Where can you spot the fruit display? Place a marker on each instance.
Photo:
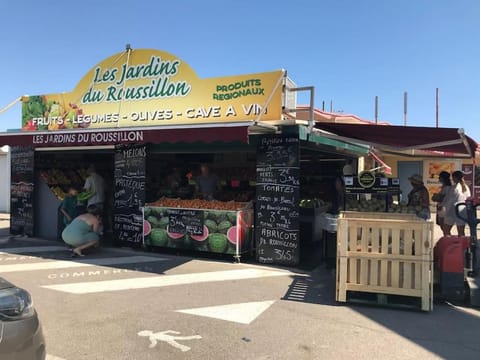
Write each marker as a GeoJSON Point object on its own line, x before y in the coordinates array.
{"type": "Point", "coordinates": [222, 229]}
{"type": "Point", "coordinates": [43, 113]}
{"type": "Point", "coordinates": [376, 205]}
{"type": "Point", "coordinates": [198, 204]}
{"type": "Point", "coordinates": [85, 195]}
{"type": "Point", "coordinates": [59, 180]}
{"type": "Point", "coordinates": [58, 192]}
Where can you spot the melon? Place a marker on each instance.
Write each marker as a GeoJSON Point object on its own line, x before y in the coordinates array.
{"type": "Point", "coordinates": [159, 237]}
{"type": "Point", "coordinates": [232, 217]}
{"type": "Point", "coordinates": [146, 228]}
{"type": "Point", "coordinates": [217, 216]}
{"type": "Point", "coordinates": [147, 211]}
{"type": "Point", "coordinates": [201, 238]}
{"type": "Point", "coordinates": [153, 220]}
{"type": "Point", "coordinates": [163, 222]}
{"type": "Point", "coordinates": [224, 226]}
{"type": "Point", "coordinates": [211, 225]}
{"type": "Point", "coordinates": [217, 242]}
{"type": "Point", "coordinates": [232, 235]}
{"type": "Point", "coordinates": [175, 236]}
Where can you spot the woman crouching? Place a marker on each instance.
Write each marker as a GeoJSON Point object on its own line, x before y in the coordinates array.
{"type": "Point", "coordinates": [82, 232]}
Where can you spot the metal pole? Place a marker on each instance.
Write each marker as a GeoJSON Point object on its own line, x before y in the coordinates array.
{"type": "Point", "coordinates": [323, 105]}
{"type": "Point", "coordinates": [405, 108]}
{"type": "Point", "coordinates": [436, 107]}
{"type": "Point", "coordinates": [376, 109]}
{"type": "Point", "coordinates": [331, 105]}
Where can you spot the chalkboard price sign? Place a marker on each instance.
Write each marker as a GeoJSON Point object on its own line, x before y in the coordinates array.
{"type": "Point", "coordinates": [22, 187]}
{"type": "Point", "coordinates": [185, 221]}
{"type": "Point", "coordinates": [277, 225]}
{"type": "Point", "coordinates": [278, 151]}
{"type": "Point", "coordinates": [129, 197]}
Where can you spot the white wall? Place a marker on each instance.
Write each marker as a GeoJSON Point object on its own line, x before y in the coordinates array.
{"type": "Point", "coordinates": [4, 180]}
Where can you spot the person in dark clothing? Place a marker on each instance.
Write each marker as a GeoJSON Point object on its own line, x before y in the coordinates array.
{"type": "Point", "coordinates": [68, 207]}
{"type": "Point", "coordinates": [418, 197]}
{"type": "Point", "coordinates": [337, 195]}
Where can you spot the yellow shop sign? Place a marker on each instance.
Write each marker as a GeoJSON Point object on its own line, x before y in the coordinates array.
{"type": "Point", "coordinates": [151, 88]}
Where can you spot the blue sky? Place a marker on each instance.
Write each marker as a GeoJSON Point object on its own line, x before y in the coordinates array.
{"type": "Point", "coordinates": [350, 50]}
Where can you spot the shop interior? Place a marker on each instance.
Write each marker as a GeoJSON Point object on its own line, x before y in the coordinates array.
{"type": "Point", "coordinates": [171, 173]}
{"type": "Point", "coordinates": [55, 172]}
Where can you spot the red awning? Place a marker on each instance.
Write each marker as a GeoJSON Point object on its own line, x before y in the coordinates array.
{"type": "Point", "coordinates": [407, 140]}
{"type": "Point", "coordinates": [102, 137]}
{"type": "Point", "coordinates": [383, 165]}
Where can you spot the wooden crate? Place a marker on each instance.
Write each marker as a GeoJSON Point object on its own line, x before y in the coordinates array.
{"type": "Point", "coordinates": [385, 256]}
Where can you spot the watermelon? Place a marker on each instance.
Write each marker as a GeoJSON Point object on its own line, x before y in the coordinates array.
{"type": "Point", "coordinates": [83, 196]}
{"type": "Point", "coordinates": [163, 222]}
{"type": "Point", "coordinates": [159, 237]}
{"type": "Point", "coordinates": [211, 225]}
{"type": "Point", "coordinates": [224, 226]}
{"type": "Point", "coordinates": [153, 220]}
{"type": "Point", "coordinates": [201, 238]}
{"type": "Point", "coordinates": [232, 217]}
{"type": "Point", "coordinates": [175, 236]}
{"type": "Point", "coordinates": [147, 211]}
{"type": "Point", "coordinates": [217, 216]}
{"type": "Point", "coordinates": [232, 235]}
{"type": "Point", "coordinates": [217, 242]}
{"type": "Point", "coordinates": [147, 228]}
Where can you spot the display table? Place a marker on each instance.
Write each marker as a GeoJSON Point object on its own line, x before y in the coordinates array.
{"type": "Point", "coordinates": [206, 230]}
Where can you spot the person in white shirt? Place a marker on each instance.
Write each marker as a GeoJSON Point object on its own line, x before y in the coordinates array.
{"type": "Point", "coordinates": [459, 193]}
{"type": "Point", "coordinates": [95, 184]}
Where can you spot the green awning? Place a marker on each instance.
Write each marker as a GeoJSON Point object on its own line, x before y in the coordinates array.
{"type": "Point", "coordinates": [317, 138]}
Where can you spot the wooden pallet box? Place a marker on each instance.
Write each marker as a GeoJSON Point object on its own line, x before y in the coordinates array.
{"type": "Point", "coordinates": [388, 255]}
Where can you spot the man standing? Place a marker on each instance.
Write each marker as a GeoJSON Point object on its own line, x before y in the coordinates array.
{"type": "Point", "coordinates": [96, 185]}
{"type": "Point", "coordinates": [207, 184]}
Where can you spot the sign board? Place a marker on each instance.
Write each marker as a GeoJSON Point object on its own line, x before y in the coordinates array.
{"type": "Point", "coordinates": [277, 200]}
{"type": "Point", "coordinates": [146, 87]}
{"type": "Point", "coordinates": [185, 221]}
{"type": "Point", "coordinates": [129, 197]}
{"type": "Point", "coordinates": [431, 170]}
{"type": "Point", "coordinates": [124, 136]}
{"type": "Point", "coordinates": [371, 185]}
{"type": "Point", "coordinates": [22, 187]}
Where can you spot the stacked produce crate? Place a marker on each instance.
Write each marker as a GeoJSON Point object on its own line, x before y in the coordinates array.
{"type": "Point", "coordinates": [385, 254]}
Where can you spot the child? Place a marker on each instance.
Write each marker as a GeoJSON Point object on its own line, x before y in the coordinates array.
{"type": "Point", "coordinates": [68, 207]}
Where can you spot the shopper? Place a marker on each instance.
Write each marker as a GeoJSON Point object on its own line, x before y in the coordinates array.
{"type": "Point", "coordinates": [96, 185]}
{"type": "Point", "coordinates": [82, 232]}
{"type": "Point", "coordinates": [440, 198]}
{"type": "Point", "coordinates": [337, 193]}
{"type": "Point", "coordinates": [459, 193]}
{"type": "Point", "coordinates": [69, 205]}
{"type": "Point", "coordinates": [418, 197]}
{"type": "Point", "coordinates": [207, 183]}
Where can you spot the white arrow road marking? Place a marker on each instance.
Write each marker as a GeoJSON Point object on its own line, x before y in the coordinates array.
{"type": "Point", "coordinates": [163, 280]}
{"type": "Point", "coordinates": [243, 313]}
{"type": "Point", "coordinates": [169, 339]}
{"type": "Point", "coordinates": [32, 249]}
{"type": "Point", "coordinates": [49, 265]}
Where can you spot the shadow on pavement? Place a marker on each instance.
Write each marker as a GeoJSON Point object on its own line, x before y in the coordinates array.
{"type": "Point", "coordinates": [449, 331]}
